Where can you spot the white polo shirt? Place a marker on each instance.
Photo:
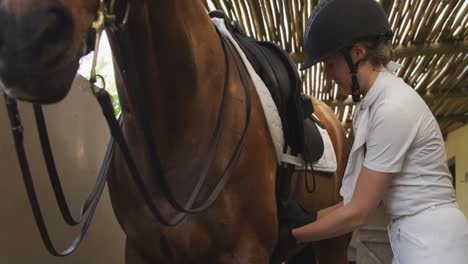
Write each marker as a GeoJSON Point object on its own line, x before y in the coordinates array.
{"type": "Point", "coordinates": [395, 132]}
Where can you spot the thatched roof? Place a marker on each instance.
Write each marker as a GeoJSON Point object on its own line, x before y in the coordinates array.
{"type": "Point", "coordinates": [431, 40]}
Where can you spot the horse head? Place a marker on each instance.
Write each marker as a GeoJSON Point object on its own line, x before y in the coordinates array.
{"type": "Point", "coordinates": [41, 43]}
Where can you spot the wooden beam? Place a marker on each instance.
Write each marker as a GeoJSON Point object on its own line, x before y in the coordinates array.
{"type": "Point", "coordinates": [297, 56]}
{"type": "Point", "coordinates": [453, 118]}
{"type": "Point", "coordinates": [412, 50]}
{"type": "Point", "coordinates": [432, 49]}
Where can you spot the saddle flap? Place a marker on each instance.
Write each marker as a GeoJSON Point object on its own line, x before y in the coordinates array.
{"type": "Point", "coordinates": [313, 142]}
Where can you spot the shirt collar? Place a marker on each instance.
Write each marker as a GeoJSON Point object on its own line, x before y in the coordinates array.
{"type": "Point", "coordinates": [374, 91]}
{"type": "Point", "coordinates": [390, 69]}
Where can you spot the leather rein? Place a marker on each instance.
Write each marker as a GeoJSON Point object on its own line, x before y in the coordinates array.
{"type": "Point", "coordinates": [107, 20]}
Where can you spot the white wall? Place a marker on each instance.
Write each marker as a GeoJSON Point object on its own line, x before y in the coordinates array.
{"type": "Point", "coordinates": [78, 137]}
{"type": "Point", "coordinates": [457, 147]}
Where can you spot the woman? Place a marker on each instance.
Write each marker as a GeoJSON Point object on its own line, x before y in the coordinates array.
{"type": "Point", "coordinates": [398, 153]}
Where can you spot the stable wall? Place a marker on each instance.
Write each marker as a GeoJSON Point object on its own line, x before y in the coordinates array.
{"type": "Point", "coordinates": [457, 148]}
{"type": "Point", "coordinates": [78, 137]}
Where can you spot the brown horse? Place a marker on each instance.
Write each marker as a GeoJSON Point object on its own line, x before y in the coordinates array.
{"type": "Point", "coordinates": [182, 68]}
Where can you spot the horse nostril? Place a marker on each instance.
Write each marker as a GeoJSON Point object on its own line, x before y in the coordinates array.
{"type": "Point", "coordinates": [37, 35]}
{"type": "Point", "coordinates": [1, 43]}
{"type": "Point", "coordinates": [56, 24]}
{"type": "Point", "coordinates": [4, 23]}
{"type": "Point", "coordinates": [49, 25]}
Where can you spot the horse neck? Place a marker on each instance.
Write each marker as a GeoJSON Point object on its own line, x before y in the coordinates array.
{"type": "Point", "coordinates": [180, 65]}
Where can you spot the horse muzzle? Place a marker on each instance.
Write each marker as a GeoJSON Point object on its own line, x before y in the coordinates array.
{"type": "Point", "coordinates": [33, 47]}
{"type": "Point", "coordinates": [41, 89]}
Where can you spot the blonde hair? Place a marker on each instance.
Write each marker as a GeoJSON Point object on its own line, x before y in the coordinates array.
{"type": "Point", "coordinates": [379, 52]}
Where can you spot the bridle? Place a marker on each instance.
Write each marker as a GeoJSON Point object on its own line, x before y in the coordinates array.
{"type": "Point", "coordinates": [107, 20]}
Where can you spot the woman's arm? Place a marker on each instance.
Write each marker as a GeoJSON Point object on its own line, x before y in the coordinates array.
{"type": "Point", "coordinates": [328, 210]}
{"type": "Point", "coordinates": [367, 195]}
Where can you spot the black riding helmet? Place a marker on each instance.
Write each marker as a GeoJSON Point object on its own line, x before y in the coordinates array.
{"type": "Point", "coordinates": [335, 25]}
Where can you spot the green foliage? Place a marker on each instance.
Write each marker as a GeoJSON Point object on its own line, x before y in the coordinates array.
{"type": "Point", "coordinates": [116, 104]}
{"type": "Point", "coordinates": [102, 67]}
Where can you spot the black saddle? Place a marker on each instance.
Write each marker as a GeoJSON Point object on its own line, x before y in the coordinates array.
{"type": "Point", "coordinates": [280, 75]}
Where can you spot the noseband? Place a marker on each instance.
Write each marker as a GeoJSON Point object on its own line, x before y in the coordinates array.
{"type": "Point", "coordinates": [106, 19]}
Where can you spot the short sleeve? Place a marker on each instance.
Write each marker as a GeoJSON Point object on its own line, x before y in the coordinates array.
{"type": "Point", "coordinates": [390, 136]}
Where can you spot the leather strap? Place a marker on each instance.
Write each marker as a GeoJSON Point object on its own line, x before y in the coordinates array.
{"type": "Point", "coordinates": [53, 175]}
{"type": "Point", "coordinates": [91, 202]}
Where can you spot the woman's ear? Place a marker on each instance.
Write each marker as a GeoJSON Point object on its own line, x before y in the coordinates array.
{"type": "Point", "coordinates": [358, 51]}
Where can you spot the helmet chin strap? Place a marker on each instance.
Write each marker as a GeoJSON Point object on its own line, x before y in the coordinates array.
{"type": "Point", "coordinates": [353, 67]}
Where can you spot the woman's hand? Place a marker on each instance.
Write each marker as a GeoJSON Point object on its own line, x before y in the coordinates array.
{"type": "Point", "coordinates": [367, 195]}
{"type": "Point", "coordinates": [294, 215]}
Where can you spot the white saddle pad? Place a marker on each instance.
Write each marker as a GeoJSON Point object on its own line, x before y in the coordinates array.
{"type": "Point", "coordinates": [327, 163]}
